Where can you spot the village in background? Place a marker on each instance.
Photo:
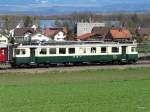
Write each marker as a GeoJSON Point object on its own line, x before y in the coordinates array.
{"type": "Point", "coordinates": [77, 27]}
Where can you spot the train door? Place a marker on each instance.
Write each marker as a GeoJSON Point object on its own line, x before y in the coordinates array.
{"type": "Point", "coordinates": [32, 56]}
{"type": "Point", "coordinates": [124, 55]}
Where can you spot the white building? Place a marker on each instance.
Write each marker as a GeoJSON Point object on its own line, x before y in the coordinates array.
{"type": "Point", "coordinates": [59, 36]}
{"type": "Point", "coordinates": [3, 39]}
{"type": "Point", "coordinates": [39, 37]}
{"type": "Point", "coordinates": [27, 36]}
{"type": "Point", "coordinates": [83, 28]}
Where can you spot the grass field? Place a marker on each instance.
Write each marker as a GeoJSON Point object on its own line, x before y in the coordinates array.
{"type": "Point", "coordinates": [123, 90]}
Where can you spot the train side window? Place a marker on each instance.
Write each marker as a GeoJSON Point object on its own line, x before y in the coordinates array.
{"type": "Point", "coordinates": [17, 51]}
{"type": "Point", "coordinates": [23, 52]}
{"type": "Point", "coordinates": [71, 50]}
{"type": "Point", "coordinates": [103, 49]}
{"type": "Point", "coordinates": [62, 50]}
{"type": "Point", "coordinates": [115, 49]}
{"type": "Point", "coordinates": [133, 49]}
{"type": "Point", "coordinates": [82, 50]}
{"type": "Point", "coordinates": [93, 50]}
{"type": "Point", "coordinates": [43, 51]}
{"type": "Point", "coordinates": [52, 51]}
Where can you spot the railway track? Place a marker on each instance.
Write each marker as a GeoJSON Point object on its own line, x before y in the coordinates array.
{"type": "Point", "coordinates": [7, 68]}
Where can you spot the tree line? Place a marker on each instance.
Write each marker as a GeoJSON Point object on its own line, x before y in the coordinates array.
{"type": "Point", "coordinates": [130, 21]}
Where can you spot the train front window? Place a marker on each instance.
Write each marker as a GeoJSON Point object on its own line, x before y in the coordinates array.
{"type": "Point", "coordinates": [17, 51]}
{"type": "Point", "coordinates": [71, 50]}
{"type": "Point", "coordinates": [115, 49]}
{"type": "Point", "coordinates": [133, 49]}
{"type": "Point", "coordinates": [23, 52]}
{"type": "Point", "coordinates": [52, 51]}
{"type": "Point", "coordinates": [43, 51]}
{"type": "Point", "coordinates": [62, 50]}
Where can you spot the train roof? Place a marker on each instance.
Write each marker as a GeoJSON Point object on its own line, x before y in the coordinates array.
{"type": "Point", "coordinates": [74, 43]}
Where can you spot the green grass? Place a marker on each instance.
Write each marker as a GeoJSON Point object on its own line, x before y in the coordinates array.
{"type": "Point", "coordinates": [123, 90]}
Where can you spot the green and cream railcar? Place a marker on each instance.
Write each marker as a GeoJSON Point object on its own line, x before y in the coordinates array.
{"type": "Point", "coordinates": [28, 55]}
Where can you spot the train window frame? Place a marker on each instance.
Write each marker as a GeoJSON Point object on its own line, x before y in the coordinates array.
{"type": "Point", "coordinates": [17, 51]}
{"type": "Point", "coordinates": [44, 52]}
{"type": "Point", "coordinates": [62, 50]}
{"type": "Point", "coordinates": [51, 52]}
{"type": "Point", "coordinates": [115, 49]}
{"type": "Point", "coordinates": [22, 51]}
{"type": "Point", "coordinates": [103, 51]}
{"type": "Point", "coordinates": [71, 51]}
{"type": "Point", "coordinates": [133, 49]}
{"type": "Point", "coordinates": [93, 50]}
{"type": "Point", "coordinates": [82, 50]}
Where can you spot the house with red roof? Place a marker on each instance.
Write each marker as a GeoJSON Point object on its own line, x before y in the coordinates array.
{"type": "Point", "coordinates": [106, 34]}
{"type": "Point", "coordinates": [119, 34]}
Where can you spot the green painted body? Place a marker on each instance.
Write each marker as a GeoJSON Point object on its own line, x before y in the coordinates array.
{"type": "Point", "coordinates": [17, 61]}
